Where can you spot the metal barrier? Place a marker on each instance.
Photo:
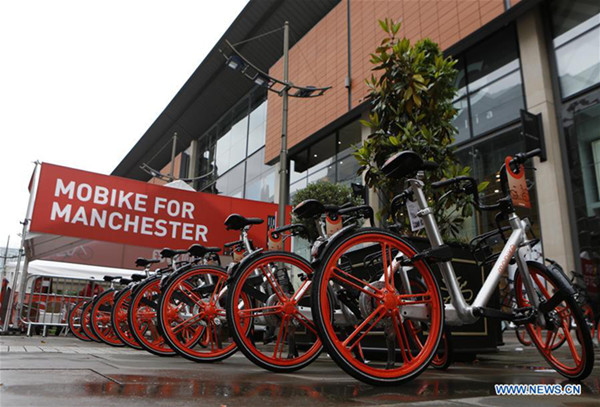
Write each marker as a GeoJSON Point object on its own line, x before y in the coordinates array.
{"type": "Point", "coordinates": [48, 300]}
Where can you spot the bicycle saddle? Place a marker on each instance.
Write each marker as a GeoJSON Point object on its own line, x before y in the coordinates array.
{"type": "Point", "coordinates": [167, 253]}
{"type": "Point", "coordinates": [238, 222]}
{"type": "Point", "coordinates": [309, 208]}
{"type": "Point", "coordinates": [137, 277]}
{"type": "Point", "coordinates": [405, 163]}
{"type": "Point", "coordinates": [197, 250]}
{"type": "Point", "coordinates": [110, 278]}
{"type": "Point", "coordinates": [142, 262]}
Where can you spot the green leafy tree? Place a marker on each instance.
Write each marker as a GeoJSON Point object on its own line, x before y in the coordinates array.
{"type": "Point", "coordinates": [412, 109]}
{"type": "Point", "coordinates": [326, 193]}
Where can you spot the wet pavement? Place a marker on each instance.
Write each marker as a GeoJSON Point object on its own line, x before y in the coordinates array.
{"type": "Point", "coordinates": [59, 371]}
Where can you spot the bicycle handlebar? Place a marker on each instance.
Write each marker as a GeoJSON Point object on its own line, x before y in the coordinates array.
{"type": "Point", "coordinates": [294, 227]}
{"type": "Point", "coordinates": [364, 211]}
{"type": "Point", "coordinates": [471, 187]}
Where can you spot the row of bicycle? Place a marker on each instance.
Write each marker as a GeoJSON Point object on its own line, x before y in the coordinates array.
{"type": "Point", "coordinates": [367, 296]}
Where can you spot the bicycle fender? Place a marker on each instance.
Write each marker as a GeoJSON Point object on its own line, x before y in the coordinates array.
{"type": "Point", "coordinates": [243, 263]}
{"type": "Point", "coordinates": [324, 248]}
{"type": "Point", "coordinates": [558, 275]}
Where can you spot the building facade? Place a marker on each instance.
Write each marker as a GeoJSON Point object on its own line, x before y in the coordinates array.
{"type": "Point", "coordinates": [533, 55]}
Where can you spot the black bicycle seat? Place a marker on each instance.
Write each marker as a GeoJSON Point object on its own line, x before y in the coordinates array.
{"type": "Point", "coordinates": [137, 277]}
{"type": "Point", "coordinates": [309, 208]}
{"type": "Point", "coordinates": [197, 250]}
{"type": "Point", "coordinates": [142, 262]}
{"type": "Point", "coordinates": [238, 222]}
{"type": "Point", "coordinates": [167, 253]}
{"type": "Point", "coordinates": [405, 163]}
{"type": "Point", "coordinates": [110, 278]}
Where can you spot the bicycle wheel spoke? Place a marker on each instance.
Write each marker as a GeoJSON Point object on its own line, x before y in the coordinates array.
{"type": "Point", "coordinates": [274, 284]}
{"type": "Point", "coordinates": [550, 338]}
{"type": "Point", "coordinates": [570, 342]}
{"type": "Point", "coordinates": [356, 283]}
{"type": "Point", "coordinates": [186, 323]}
{"type": "Point", "coordinates": [397, 322]}
{"type": "Point", "coordinates": [541, 286]}
{"type": "Point", "coordinates": [302, 289]}
{"type": "Point", "coordinates": [186, 289]}
{"type": "Point", "coordinates": [260, 311]}
{"type": "Point", "coordinates": [308, 324]}
{"type": "Point", "coordinates": [407, 299]}
{"type": "Point", "coordinates": [387, 268]}
{"type": "Point", "coordinates": [413, 332]}
{"type": "Point", "coordinates": [215, 295]}
{"type": "Point", "coordinates": [279, 337]}
{"type": "Point", "coordinates": [363, 325]}
{"type": "Point", "coordinates": [284, 337]}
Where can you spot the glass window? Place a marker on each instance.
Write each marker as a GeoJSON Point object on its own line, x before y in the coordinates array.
{"type": "Point", "coordinates": [347, 169]}
{"type": "Point", "coordinates": [496, 104]}
{"type": "Point", "coordinates": [576, 31]}
{"type": "Point", "coordinates": [583, 137]}
{"type": "Point", "coordinates": [321, 153]}
{"type": "Point", "coordinates": [262, 188]}
{"type": "Point", "coordinates": [232, 183]}
{"type": "Point", "coordinates": [461, 77]}
{"type": "Point", "coordinates": [485, 159]}
{"type": "Point", "coordinates": [231, 147]}
{"type": "Point", "coordinates": [296, 186]}
{"type": "Point", "coordinates": [298, 167]}
{"type": "Point", "coordinates": [461, 121]}
{"type": "Point", "coordinates": [578, 63]}
{"type": "Point", "coordinates": [256, 165]}
{"type": "Point", "coordinates": [491, 55]}
{"type": "Point", "coordinates": [490, 91]}
{"type": "Point", "coordinates": [348, 137]}
{"type": "Point", "coordinates": [324, 174]}
{"type": "Point", "coordinates": [258, 128]}
{"type": "Point", "coordinates": [570, 14]}
{"type": "Point", "coordinates": [206, 157]}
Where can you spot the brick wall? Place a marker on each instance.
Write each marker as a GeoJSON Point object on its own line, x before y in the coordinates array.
{"type": "Point", "coordinates": [320, 58]}
{"type": "Point", "coordinates": [167, 169]}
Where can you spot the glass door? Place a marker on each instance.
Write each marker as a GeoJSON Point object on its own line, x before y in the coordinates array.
{"type": "Point", "coordinates": [581, 121]}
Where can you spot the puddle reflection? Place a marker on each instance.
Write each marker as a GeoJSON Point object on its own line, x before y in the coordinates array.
{"type": "Point", "coordinates": [418, 390]}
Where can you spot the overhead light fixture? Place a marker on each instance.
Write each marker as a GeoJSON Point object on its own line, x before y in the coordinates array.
{"type": "Point", "coordinates": [305, 91]}
{"type": "Point", "coordinates": [261, 80]}
{"type": "Point", "coordinates": [235, 62]}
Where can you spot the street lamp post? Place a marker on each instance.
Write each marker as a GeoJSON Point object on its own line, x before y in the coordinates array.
{"type": "Point", "coordinates": [284, 174]}
{"type": "Point", "coordinates": [236, 61]}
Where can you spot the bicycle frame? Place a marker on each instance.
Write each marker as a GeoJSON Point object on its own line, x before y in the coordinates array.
{"type": "Point", "coordinates": [459, 312]}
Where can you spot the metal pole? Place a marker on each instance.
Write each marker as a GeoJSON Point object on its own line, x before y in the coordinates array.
{"type": "Point", "coordinates": [283, 155]}
{"type": "Point", "coordinates": [5, 260]}
{"type": "Point", "coordinates": [173, 152]}
{"type": "Point", "coordinates": [16, 286]}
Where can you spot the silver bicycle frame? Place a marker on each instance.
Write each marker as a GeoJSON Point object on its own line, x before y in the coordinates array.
{"type": "Point", "coordinates": [459, 312]}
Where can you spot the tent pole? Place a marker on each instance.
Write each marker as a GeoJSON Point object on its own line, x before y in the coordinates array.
{"type": "Point", "coordinates": [22, 281]}
{"type": "Point", "coordinates": [5, 259]}
{"type": "Point", "coordinates": [8, 315]}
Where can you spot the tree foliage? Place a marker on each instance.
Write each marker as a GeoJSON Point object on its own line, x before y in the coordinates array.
{"type": "Point", "coordinates": [412, 109]}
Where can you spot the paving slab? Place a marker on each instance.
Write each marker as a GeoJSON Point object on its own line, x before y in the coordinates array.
{"type": "Point", "coordinates": [67, 372]}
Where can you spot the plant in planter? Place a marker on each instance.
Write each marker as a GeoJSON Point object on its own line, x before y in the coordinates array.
{"type": "Point", "coordinates": [326, 193]}
{"type": "Point", "coordinates": [412, 110]}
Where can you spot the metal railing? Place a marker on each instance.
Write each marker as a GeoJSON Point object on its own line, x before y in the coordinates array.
{"type": "Point", "coordinates": [49, 299]}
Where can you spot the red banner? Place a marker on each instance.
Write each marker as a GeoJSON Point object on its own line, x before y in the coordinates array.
{"type": "Point", "coordinates": [92, 206]}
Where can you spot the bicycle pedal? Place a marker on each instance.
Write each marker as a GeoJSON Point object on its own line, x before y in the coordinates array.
{"type": "Point", "coordinates": [524, 315]}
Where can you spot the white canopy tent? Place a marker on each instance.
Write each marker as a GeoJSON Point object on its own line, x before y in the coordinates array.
{"type": "Point", "coordinates": [68, 270]}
